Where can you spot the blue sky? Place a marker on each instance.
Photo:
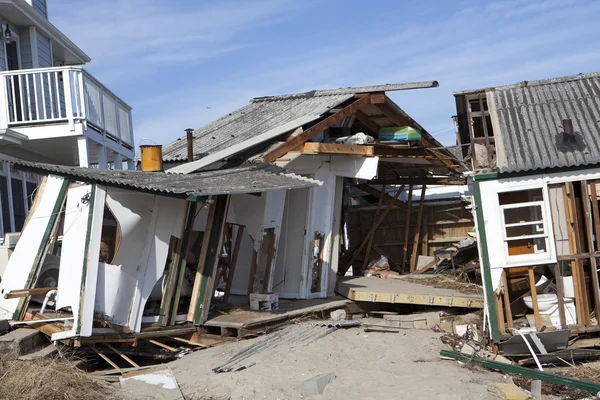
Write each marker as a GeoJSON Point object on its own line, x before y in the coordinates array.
{"type": "Point", "coordinates": [184, 63]}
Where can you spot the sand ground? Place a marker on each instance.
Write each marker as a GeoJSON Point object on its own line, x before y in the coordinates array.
{"type": "Point", "coordinates": [403, 365]}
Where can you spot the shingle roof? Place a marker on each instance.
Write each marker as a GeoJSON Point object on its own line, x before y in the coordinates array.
{"type": "Point", "coordinates": [530, 119]}
{"type": "Point", "coordinates": [248, 178]}
{"type": "Point", "coordinates": [268, 117]}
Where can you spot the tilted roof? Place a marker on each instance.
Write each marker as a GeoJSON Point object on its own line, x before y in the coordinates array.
{"type": "Point", "coordinates": [268, 117]}
{"type": "Point", "coordinates": [530, 118]}
{"type": "Point", "coordinates": [248, 178]}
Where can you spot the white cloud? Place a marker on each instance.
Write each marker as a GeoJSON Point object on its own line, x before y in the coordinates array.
{"type": "Point", "coordinates": [142, 46]}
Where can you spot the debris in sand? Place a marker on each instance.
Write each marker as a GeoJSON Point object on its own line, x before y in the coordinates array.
{"type": "Point", "coordinates": [316, 385]}
{"type": "Point", "coordinates": [156, 383]}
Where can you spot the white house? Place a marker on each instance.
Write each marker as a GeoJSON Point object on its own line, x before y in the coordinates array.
{"type": "Point", "coordinates": [51, 109]}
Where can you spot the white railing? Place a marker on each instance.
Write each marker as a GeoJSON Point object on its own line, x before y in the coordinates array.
{"type": "Point", "coordinates": [63, 94]}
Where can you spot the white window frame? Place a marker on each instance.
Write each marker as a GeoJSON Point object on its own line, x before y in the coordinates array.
{"type": "Point", "coordinates": [544, 222]}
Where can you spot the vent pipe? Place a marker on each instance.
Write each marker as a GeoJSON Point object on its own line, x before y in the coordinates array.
{"type": "Point", "coordinates": [151, 158]}
{"type": "Point", "coordinates": [190, 144]}
{"type": "Point", "coordinates": [568, 130]}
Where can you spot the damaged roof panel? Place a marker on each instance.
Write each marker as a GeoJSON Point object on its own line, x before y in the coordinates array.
{"type": "Point", "coordinates": [264, 114]}
{"type": "Point", "coordinates": [248, 178]}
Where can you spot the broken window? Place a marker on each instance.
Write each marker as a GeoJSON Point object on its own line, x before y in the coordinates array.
{"type": "Point", "coordinates": [524, 222]}
{"type": "Point", "coordinates": [111, 236]}
{"type": "Point", "coordinates": [483, 150]}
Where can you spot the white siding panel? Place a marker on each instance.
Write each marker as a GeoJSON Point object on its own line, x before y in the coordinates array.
{"type": "Point", "coordinates": [44, 53]}
{"type": "Point", "coordinates": [40, 6]}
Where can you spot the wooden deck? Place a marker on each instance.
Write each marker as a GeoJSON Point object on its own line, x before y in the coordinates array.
{"type": "Point", "coordinates": [244, 318]}
{"type": "Point", "coordinates": [400, 291]}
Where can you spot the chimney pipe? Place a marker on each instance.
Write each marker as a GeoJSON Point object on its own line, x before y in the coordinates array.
{"type": "Point", "coordinates": [568, 127]}
{"type": "Point", "coordinates": [190, 144]}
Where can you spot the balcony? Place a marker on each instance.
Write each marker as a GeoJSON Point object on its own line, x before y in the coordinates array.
{"type": "Point", "coordinates": [59, 102]}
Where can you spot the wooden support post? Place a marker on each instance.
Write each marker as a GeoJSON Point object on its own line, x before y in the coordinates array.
{"type": "Point", "coordinates": [343, 268]}
{"type": "Point", "coordinates": [415, 256]}
{"type": "Point", "coordinates": [509, 318]}
{"type": "Point", "coordinates": [425, 245]}
{"type": "Point", "coordinates": [270, 254]}
{"type": "Point", "coordinates": [253, 268]}
{"type": "Point", "coordinates": [406, 228]}
{"type": "Point", "coordinates": [167, 298]}
{"type": "Point", "coordinates": [560, 295]}
{"type": "Point", "coordinates": [208, 260]}
{"type": "Point", "coordinates": [534, 298]}
{"type": "Point", "coordinates": [500, 313]}
{"type": "Point", "coordinates": [370, 243]}
{"type": "Point", "coordinates": [234, 258]}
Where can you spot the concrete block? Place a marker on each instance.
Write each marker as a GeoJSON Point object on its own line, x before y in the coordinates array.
{"type": "Point", "coordinates": [20, 342]}
{"type": "Point", "coordinates": [510, 391]}
{"type": "Point", "coordinates": [40, 353]}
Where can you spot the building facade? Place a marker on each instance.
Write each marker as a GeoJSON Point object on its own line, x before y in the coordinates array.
{"type": "Point", "coordinates": [51, 109]}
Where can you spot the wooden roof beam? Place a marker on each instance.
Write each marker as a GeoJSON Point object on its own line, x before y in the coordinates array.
{"type": "Point", "coordinates": [364, 119]}
{"type": "Point", "coordinates": [359, 102]}
{"type": "Point", "coordinates": [420, 181]}
{"type": "Point", "coordinates": [362, 150]}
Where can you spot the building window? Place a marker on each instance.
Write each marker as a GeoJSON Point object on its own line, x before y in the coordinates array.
{"type": "Point", "coordinates": [4, 205]}
{"type": "Point", "coordinates": [524, 221]}
{"type": "Point", "coordinates": [19, 206]}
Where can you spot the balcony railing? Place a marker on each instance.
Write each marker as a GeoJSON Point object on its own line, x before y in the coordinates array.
{"type": "Point", "coordinates": [63, 95]}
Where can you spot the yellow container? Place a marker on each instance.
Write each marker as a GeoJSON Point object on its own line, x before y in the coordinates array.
{"type": "Point", "coordinates": [151, 158]}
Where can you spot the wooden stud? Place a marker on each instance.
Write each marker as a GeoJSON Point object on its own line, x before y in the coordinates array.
{"type": "Point", "coordinates": [253, 268]}
{"type": "Point", "coordinates": [414, 258]}
{"type": "Point", "coordinates": [588, 226]}
{"type": "Point", "coordinates": [560, 295]}
{"type": "Point", "coordinates": [344, 267]}
{"type": "Point", "coordinates": [370, 242]}
{"type": "Point", "coordinates": [292, 142]}
{"type": "Point", "coordinates": [167, 298]}
{"type": "Point", "coordinates": [123, 356]}
{"type": "Point", "coordinates": [270, 254]}
{"type": "Point", "coordinates": [536, 311]}
{"type": "Point", "coordinates": [15, 294]}
{"type": "Point", "coordinates": [234, 258]}
{"type": "Point", "coordinates": [500, 313]}
{"type": "Point", "coordinates": [507, 308]}
{"type": "Point", "coordinates": [569, 215]}
{"type": "Point", "coordinates": [406, 228]}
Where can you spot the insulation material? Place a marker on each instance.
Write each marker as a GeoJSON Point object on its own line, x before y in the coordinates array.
{"type": "Point", "coordinates": [40, 221]}
{"type": "Point", "coordinates": [79, 257]}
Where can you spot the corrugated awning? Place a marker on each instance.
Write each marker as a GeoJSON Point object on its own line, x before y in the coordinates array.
{"type": "Point", "coordinates": [247, 178]}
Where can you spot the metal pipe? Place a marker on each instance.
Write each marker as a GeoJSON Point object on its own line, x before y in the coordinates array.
{"type": "Point", "coordinates": [46, 299]}
{"type": "Point", "coordinates": [568, 127]}
{"type": "Point", "coordinates": [190, 144]}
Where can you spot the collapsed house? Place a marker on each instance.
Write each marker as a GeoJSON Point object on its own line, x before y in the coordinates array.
{"type": "Point", "coordinates": [534, 148]}
{"type": "Point", "coordinates": [255, 202]}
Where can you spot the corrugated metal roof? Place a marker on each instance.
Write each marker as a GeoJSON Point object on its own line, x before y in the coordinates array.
{"type": "Point", "coordinates": [248, 178]}
{"type": "Point", "coordinates": [530, 116]}
{"type": "Point", "coordinates": [266, 114]}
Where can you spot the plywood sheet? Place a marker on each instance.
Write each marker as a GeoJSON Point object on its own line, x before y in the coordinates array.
{"type": "Point", "coordinates": [400, 291]}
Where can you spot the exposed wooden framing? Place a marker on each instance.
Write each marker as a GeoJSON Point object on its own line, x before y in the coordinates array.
{"type": "Point", "coordinates": [167, 299]}
{"type": "Point", "coordinates": [123, 356]}
{"type": "Point", "coordinates": [485, 130]}
{"type": "Point", "coordinates": [160, 344]}
{"type": "Point", "coordinates": [559, 294]}
{"type": "Point", "coordinates": [14, 294]}
{"type": "Point", "coordinates": [54, 246]}
{"type": "Point", "coordinates": [366, 121]}
{"type": "Point", "coordinates": [573, 250]}
{"type": "Point", "coordinates": [414, 257]}
{"type": "Point", "coordinates": [406, 228]}
{"type": "Point", "coordinates": [207, 265]}
{"type": "Point", "coordinates": [253, 268]}
{"type": "Point", "coordinates": [234, 258]}
{"type": "Point", "coordinates": [270, 236]}
{"type": "Point", "coordinates": [590, 242]}
{"type": "Point", "coordinates": [343, 268]}
{"type": "Point", "coordinates": [366, 150]}
{"type": "Point", "coordinates": [500, 313]}
{"type": "Point", "coordinates": [425, 244]}
{"type": "Point", "coordinates": [509, 317]}
{"type": "Point", "coordinates": [382, 194]}
{"type": "Point", "coordinates": [108, 360]}
{"type": "Point", "coordinates": [536, 311]}
{"type": "Point", "coordinates": [374, 192]}
{"type": "Point", "coordinates": [579, 280]}
{"type": "Point", "coordinates": [292, 142]}
{"type": "Point", "coordinates": [319, 241]}
{"type": "Point", "coordinates": [420, 181]}
{"type": "Point", "coordinates": [182, 261]}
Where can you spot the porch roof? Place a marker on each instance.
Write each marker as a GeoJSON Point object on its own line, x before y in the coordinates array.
{"type": "Point", "coordinates": [247, 178]}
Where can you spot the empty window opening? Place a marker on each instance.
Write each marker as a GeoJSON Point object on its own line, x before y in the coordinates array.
{"type": "Point", "coordinates": [111, 236]}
